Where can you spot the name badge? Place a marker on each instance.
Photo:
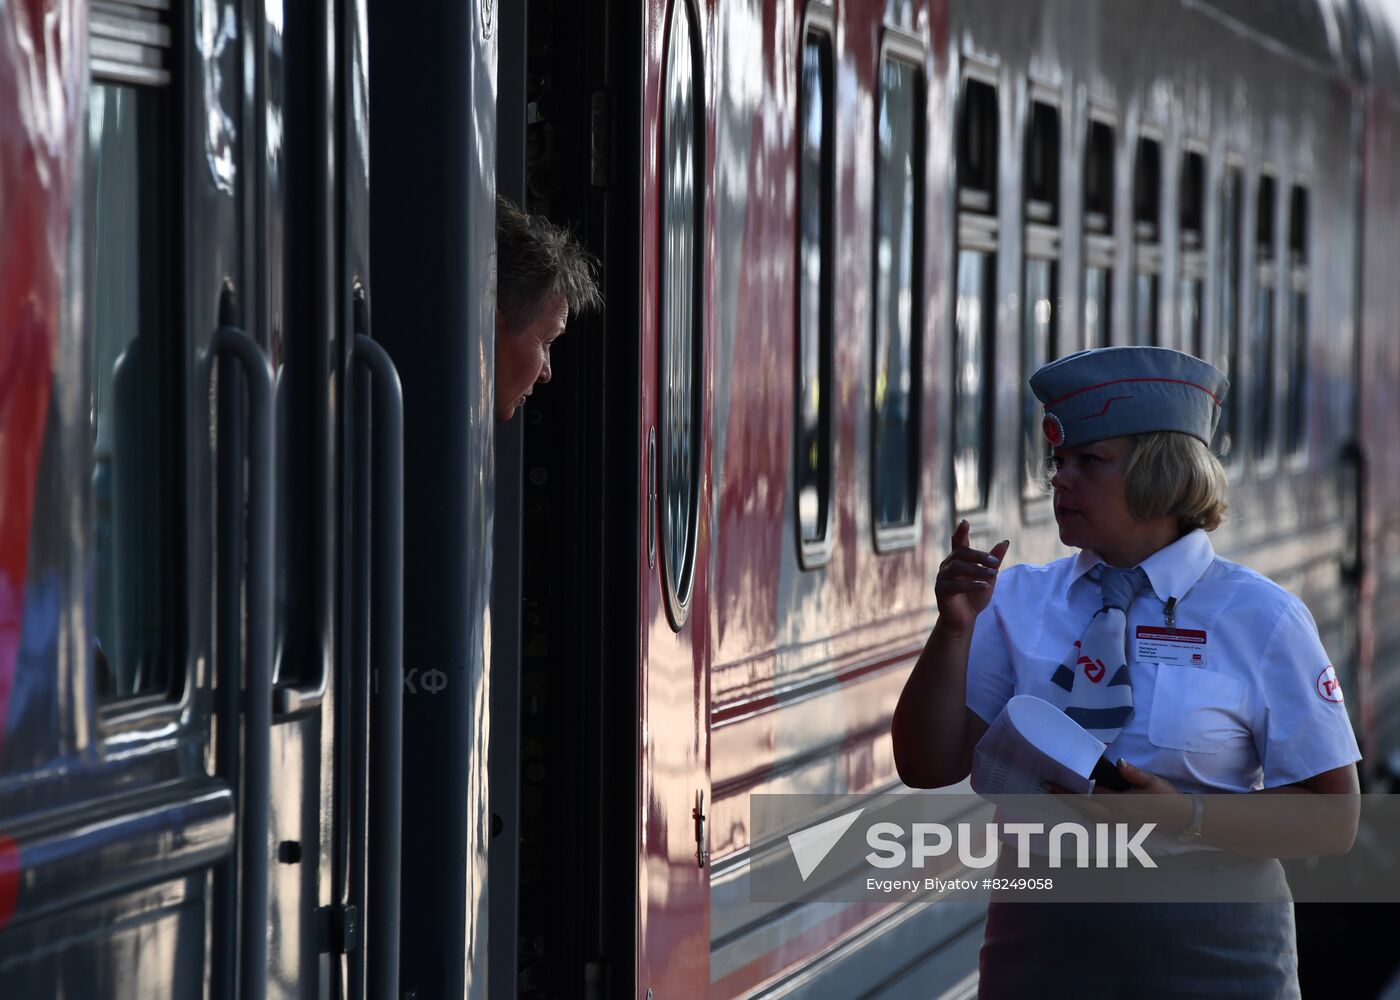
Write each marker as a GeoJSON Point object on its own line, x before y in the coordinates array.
{"type": "Point", "coordinates": [1182, 647]}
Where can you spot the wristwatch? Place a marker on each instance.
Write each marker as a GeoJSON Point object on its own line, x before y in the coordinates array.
{"type": "Point", "coordinates": [1191, 832]}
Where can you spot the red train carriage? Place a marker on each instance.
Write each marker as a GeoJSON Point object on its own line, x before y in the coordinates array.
{"type": "Point", "coordinates": [899, 212]}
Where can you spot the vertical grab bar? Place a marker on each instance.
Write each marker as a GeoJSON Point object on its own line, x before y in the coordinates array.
{"type": "Point", "coordinates": [256, 696]}
{"type": "Point", "coordinates": [384, 756]}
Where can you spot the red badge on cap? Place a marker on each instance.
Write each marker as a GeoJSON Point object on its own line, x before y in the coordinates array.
{"type": "Point", "coordinates": [1054, 430]}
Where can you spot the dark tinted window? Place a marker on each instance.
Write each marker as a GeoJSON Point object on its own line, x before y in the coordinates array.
{"type": "Point", "coordinates": [1261, 348]}
{"type": "Point", "coordinates": [1147, 249]}
{"type": "Point", "coordinates": [898, 293]}
{"type": "Point", "coordinates": [680, 354]}
{"type": "Point", "coordinates": [1147, 187]}
{"type": "Point", "coordinates": [1098, 236]}
{"type": "Point", "coordinates": [135, 377]}
{"type": "Point", "coordinates": [1040, 316]}
{"type": "Point", "coordinates": [1043, 164]}
{"type": "Point", "coordinates": [975, 306]}
{"type": "Point", "coordinates": [1226, 356]}
{"type": "Point", "coordinates": [814, 384]}
{"type": "Point", "coordinates": [977, 147]}
{"type": "Point", "coordinates": [1189, 303]}
{"type": "Point", "coordinates": [1098, 178]}
{"type": "Point", "coordinates": [1038, 346]}
{"type": "Point", "coordinates": [1192, 202]}
{"type": "Point", "coordinates": [1294, 355]}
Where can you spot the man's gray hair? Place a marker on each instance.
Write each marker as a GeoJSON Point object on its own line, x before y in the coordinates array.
{"type": "Point", "coordinates": [536, 259]}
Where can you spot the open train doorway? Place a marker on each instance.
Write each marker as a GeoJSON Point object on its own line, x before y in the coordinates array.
{"type": "Point", "coordinates": [564, 687]}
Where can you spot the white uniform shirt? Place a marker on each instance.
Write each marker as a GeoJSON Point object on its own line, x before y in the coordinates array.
{"type": "Point", "coordinates": [1260, 712]}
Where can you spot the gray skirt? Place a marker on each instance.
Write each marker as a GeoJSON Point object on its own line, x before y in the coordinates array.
{"type": "Point", "coordinates": [1142, 950]}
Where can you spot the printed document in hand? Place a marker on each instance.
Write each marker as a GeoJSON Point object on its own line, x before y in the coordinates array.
{"type": "Point", "coordinates": [1030, 742]}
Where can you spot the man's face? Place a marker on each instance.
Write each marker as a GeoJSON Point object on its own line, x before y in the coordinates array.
{"type": "Point", "coordinates": [522, 354]}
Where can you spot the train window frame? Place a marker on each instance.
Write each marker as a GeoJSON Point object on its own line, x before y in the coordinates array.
{"type": "Point", "coordinates": [1099, 225]}
{"type": "Point", "coordinates": [977, 233]}
{"type": "Point", "coordinates": [814, 552]}
{"type": "Point", "coordinates": [1191, 246]}
{"type": "Point", "coordinates": [1147, 235]}
{"type": "Point", "coordinates": [678, 582]}
{"type": "Point", "coordinates": [899, 45]}
{"type": "Point", "coordinates": [1298, 272]}
{"type": "Point", "coordinates": [979, 195]}
{"type": "Point", "coordinates": [1263, 452]}
{"type": "Point", "coordinates": [131, 50]}
{"type": "Point", "coordinates": [1231, 281]}
{"type": "Point", "coordinates": [1041, 244]}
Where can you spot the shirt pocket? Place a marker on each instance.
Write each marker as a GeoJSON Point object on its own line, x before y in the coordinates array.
{"type": "Point", "coordinates": [1194, 709]}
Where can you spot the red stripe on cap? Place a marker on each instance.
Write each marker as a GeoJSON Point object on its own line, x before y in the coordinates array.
{"type": "Point", "coordinates": [1119, 381]}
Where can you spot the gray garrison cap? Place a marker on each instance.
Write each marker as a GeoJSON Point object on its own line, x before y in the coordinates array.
{"type": "Point", "coordinates": [1115, 391]}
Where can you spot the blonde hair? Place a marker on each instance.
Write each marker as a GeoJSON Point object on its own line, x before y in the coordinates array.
{"type": "Point", "coordinates": [1172, 473]}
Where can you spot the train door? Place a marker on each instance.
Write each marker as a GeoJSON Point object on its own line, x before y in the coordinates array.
{"type": "Point", "coordinates": [269, 259]}
{"type": "Point", "coordinates": [335, 743]}
{"type": "Point", "coordinates": [565, 731]}
{"type": "Point", "coordinates": [228, 307]}
{"type": "Point", "coordinates": [611, 752]}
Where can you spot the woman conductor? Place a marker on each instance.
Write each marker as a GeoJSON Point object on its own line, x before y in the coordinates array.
{"type": "Point", "coordinates": [1251, 708]}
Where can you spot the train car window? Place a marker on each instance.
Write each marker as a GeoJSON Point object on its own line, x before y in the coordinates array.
{"type": "Point", "coordinates": [975, 307]}
{"type": "Point", "coordinates": [1226, 355]}
{"type": "Point", "coordinates": [1294, 363]}
{"type": "Point", "coordinates": [977, 148]}
{"type": "Point", "coordinates": [1147, 247]}
{"type": "Point", "coordinates": [1262, 372]}
{"type": "Point", "coordinates": [681, 356]}
{"type": "Point", "coordinates": [1040, 320]}
{"type": "Point", "coordinates": [136, 359]}
{"type": "Point", "coordinates": [898, 297]}
{"type": "Point", "coordinates": [1098, 235]}
{"type": "Point", "coordinates": [1193, 265]}
{"type": "Point", "coordinates": [1043, 164]}
{"type": "Point", "coordinates": [814, 368]}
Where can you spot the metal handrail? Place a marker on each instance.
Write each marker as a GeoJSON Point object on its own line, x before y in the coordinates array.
{"type": "Point", "coordinates": [254, 694]}
{"type": "Point", "coordinates": [384, 754]}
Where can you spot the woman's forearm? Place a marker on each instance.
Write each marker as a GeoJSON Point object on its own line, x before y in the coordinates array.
{"type": "Point", "coordinates": [929, 729]}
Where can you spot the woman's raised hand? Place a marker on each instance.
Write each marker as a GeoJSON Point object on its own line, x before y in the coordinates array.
{"type": "Point", "coordinates": [966, 580]}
